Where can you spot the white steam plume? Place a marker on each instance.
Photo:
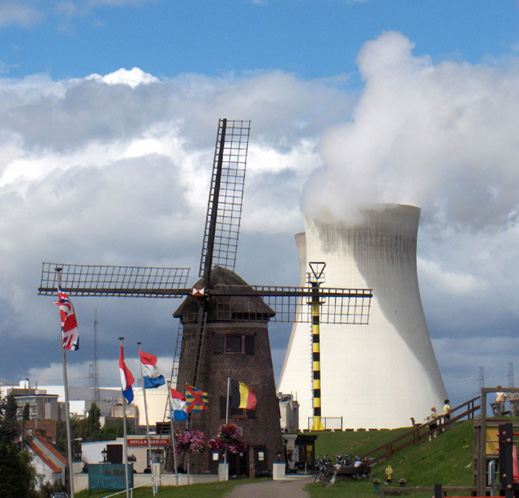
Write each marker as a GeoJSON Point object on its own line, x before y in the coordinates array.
{"type": "Point", "coordinates": [442, 136]}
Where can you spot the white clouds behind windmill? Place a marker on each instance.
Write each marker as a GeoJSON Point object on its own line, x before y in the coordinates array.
{"type": "Point", "coordinates": [118, 174]}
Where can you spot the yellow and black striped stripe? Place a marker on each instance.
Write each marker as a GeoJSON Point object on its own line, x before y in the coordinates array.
{"type": "Point", "coordinates": [316, 359]}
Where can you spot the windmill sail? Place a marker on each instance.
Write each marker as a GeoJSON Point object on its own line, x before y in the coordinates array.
{"type": "Point", "coordinates": [222, 225]}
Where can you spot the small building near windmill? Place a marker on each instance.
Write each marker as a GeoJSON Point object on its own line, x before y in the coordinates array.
{"type": "Point", "coordinates": [48, 462]}
{"type": "Point", "coordinates": [234, 344]}
{"type": "Point", "coordinates": [378, 375]}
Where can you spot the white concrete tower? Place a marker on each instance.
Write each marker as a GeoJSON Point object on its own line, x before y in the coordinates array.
{"type": "Point", "coordinates": [377, 375]}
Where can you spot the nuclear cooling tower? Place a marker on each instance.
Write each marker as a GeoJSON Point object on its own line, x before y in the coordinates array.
{"type": "Point", "coordinates": [381, 374]}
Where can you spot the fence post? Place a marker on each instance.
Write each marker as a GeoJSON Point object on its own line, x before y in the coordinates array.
{"type": "Point", "coordinates": [438, 491]}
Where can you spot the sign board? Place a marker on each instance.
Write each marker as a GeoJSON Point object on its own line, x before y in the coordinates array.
{"type": "Point", "coordinates": [144, 442]}
{"type": "Point", "coordinates": [109, 476]}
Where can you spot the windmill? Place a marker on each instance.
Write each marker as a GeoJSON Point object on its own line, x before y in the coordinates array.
{"type": "Point", "coordinates": [224, 320]}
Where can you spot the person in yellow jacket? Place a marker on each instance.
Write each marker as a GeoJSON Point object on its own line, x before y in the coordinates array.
{"type": "Point", "coordinates": [446, 414]}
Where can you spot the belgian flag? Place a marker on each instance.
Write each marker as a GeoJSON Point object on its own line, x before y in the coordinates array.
{"type": "Point", "coordinates": [242, 396]}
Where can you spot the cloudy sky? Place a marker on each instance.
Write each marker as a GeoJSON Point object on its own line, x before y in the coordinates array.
{"type": "Point", "coordinates": [108, 115]}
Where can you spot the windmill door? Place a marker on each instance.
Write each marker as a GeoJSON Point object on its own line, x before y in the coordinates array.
{"type": "Point", "coordinates": [261, 467]}
{"type": "Point", "coordinates": [238, 465]}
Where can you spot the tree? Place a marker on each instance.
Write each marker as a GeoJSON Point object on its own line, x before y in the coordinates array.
{"type": "Point", "coordinates": [26, 412]}
{"type": "Point", "coordinates": [9, 430]}
{"type": "Point", "coordinates": [79, 428]}
{"type": "Point", "coordinates": [17, 476]}
{"type": "Point", "coordinates": [93, 421]}
{"type": "Point", "coordinates": [26, 416]}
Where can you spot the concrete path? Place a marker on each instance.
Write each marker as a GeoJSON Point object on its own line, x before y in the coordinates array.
{"type": "Point", "coordinates": [292, 488]}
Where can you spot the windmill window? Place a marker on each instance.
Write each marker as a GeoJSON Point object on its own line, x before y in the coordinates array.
{"type": "Point", "coordinates": [233, 343]}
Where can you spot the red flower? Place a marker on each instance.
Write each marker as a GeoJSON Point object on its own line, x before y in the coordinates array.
{"type": "Point", "coordinates": [228, 439]}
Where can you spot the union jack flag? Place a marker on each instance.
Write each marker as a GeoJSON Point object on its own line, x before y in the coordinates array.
{"type": "Point", "coordinates": [69, 329]}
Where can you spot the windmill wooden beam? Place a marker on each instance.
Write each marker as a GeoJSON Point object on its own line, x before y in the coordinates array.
{"type": "Point", "coordinates": [266, 291]}
{"type": "Point", "coordinates": [339, 305]}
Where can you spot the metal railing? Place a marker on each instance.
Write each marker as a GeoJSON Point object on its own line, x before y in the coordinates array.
{"type": "Point", "coordinates": [419, 432]}
{"type": "Point", "coordinates": [329, 423]}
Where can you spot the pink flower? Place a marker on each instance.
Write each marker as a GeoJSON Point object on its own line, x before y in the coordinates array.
{"type": "Point", "coordinates": [190, 442]}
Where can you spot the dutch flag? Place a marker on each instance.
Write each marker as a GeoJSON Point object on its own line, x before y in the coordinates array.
{"type": "Point", "coordinates": [150, 372]}
{"type": "Point", "coordinates": [127, 379]}
{"type": "Point", "coordinates": [179, 405]}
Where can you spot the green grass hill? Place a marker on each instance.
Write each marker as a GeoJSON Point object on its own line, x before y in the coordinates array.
{"type": "Point", "coordinates": [447, 460]}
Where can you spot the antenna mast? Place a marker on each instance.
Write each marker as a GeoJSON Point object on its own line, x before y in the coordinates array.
{"type": "Point", "coordinates": [95, 373]}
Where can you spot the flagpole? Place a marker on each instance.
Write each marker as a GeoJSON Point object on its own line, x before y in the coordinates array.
{"type": "Point", "coordinates": [227, 414]}
{"type": "Point", "coordinates": [227, 407]}
{"type": "Point", "coordinates": [172, 430]}
{"type": "Point", "coordinates": [58, 270]}
{"type": "Point", "coordinates": [125, 441]}
{"type": "Point", "coordinates": [187, 456]}
{"type": "Point", "coordinates": [154, 486]}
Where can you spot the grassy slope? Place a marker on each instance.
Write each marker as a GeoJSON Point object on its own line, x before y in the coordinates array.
{"type": "Point", "coordinates": [447, 460]}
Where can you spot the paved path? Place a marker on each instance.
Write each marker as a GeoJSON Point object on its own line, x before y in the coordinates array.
{"type": "Point", "coordinates": [292, 488]}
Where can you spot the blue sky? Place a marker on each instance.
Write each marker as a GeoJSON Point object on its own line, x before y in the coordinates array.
{"type": "Point", "coordinates": [311, 38]}
{"type": "Point", "coordinates": [108, 114]}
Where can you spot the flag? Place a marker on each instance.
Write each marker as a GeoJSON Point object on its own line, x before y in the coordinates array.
{"type": "Point", "coordinates": [69, 330]}
{"type": "Point", "coordinates": [151, 374]}
{"type": "Point", "coordinates": [242, 396]}
{"type": "Point", "coordinates": [196, 399]}
{"type": "Point", "coordinates": [127, 379]}
{"type": "Point", "coordinates": [179, 405]}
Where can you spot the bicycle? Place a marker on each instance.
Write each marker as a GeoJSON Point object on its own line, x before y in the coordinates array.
{"type": "Point", "coordinates": [326, 472]}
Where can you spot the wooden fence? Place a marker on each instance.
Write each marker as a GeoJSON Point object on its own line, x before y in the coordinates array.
{"type": "Point", "coordinates": [466, 490]}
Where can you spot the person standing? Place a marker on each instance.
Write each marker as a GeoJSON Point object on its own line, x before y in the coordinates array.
{"type": "Point", "coordinates": [500, 402]}
{"type": "Point", "coordinates": [446, 414]}
{"type": "Point", "coordinates": [433, 423]}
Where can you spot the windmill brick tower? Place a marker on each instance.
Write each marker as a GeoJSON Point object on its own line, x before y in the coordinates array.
{"type": "Point", "coordinates": [235, 344]}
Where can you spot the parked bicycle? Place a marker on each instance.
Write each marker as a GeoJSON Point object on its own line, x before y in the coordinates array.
{"type": "Point", "coordinates": [352, 466]}
{"type": "Point", "coordinates": [326, 472]}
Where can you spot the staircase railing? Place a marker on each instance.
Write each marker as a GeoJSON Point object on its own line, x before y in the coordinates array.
{"type": "Point", "coordinates": [419, 432]}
